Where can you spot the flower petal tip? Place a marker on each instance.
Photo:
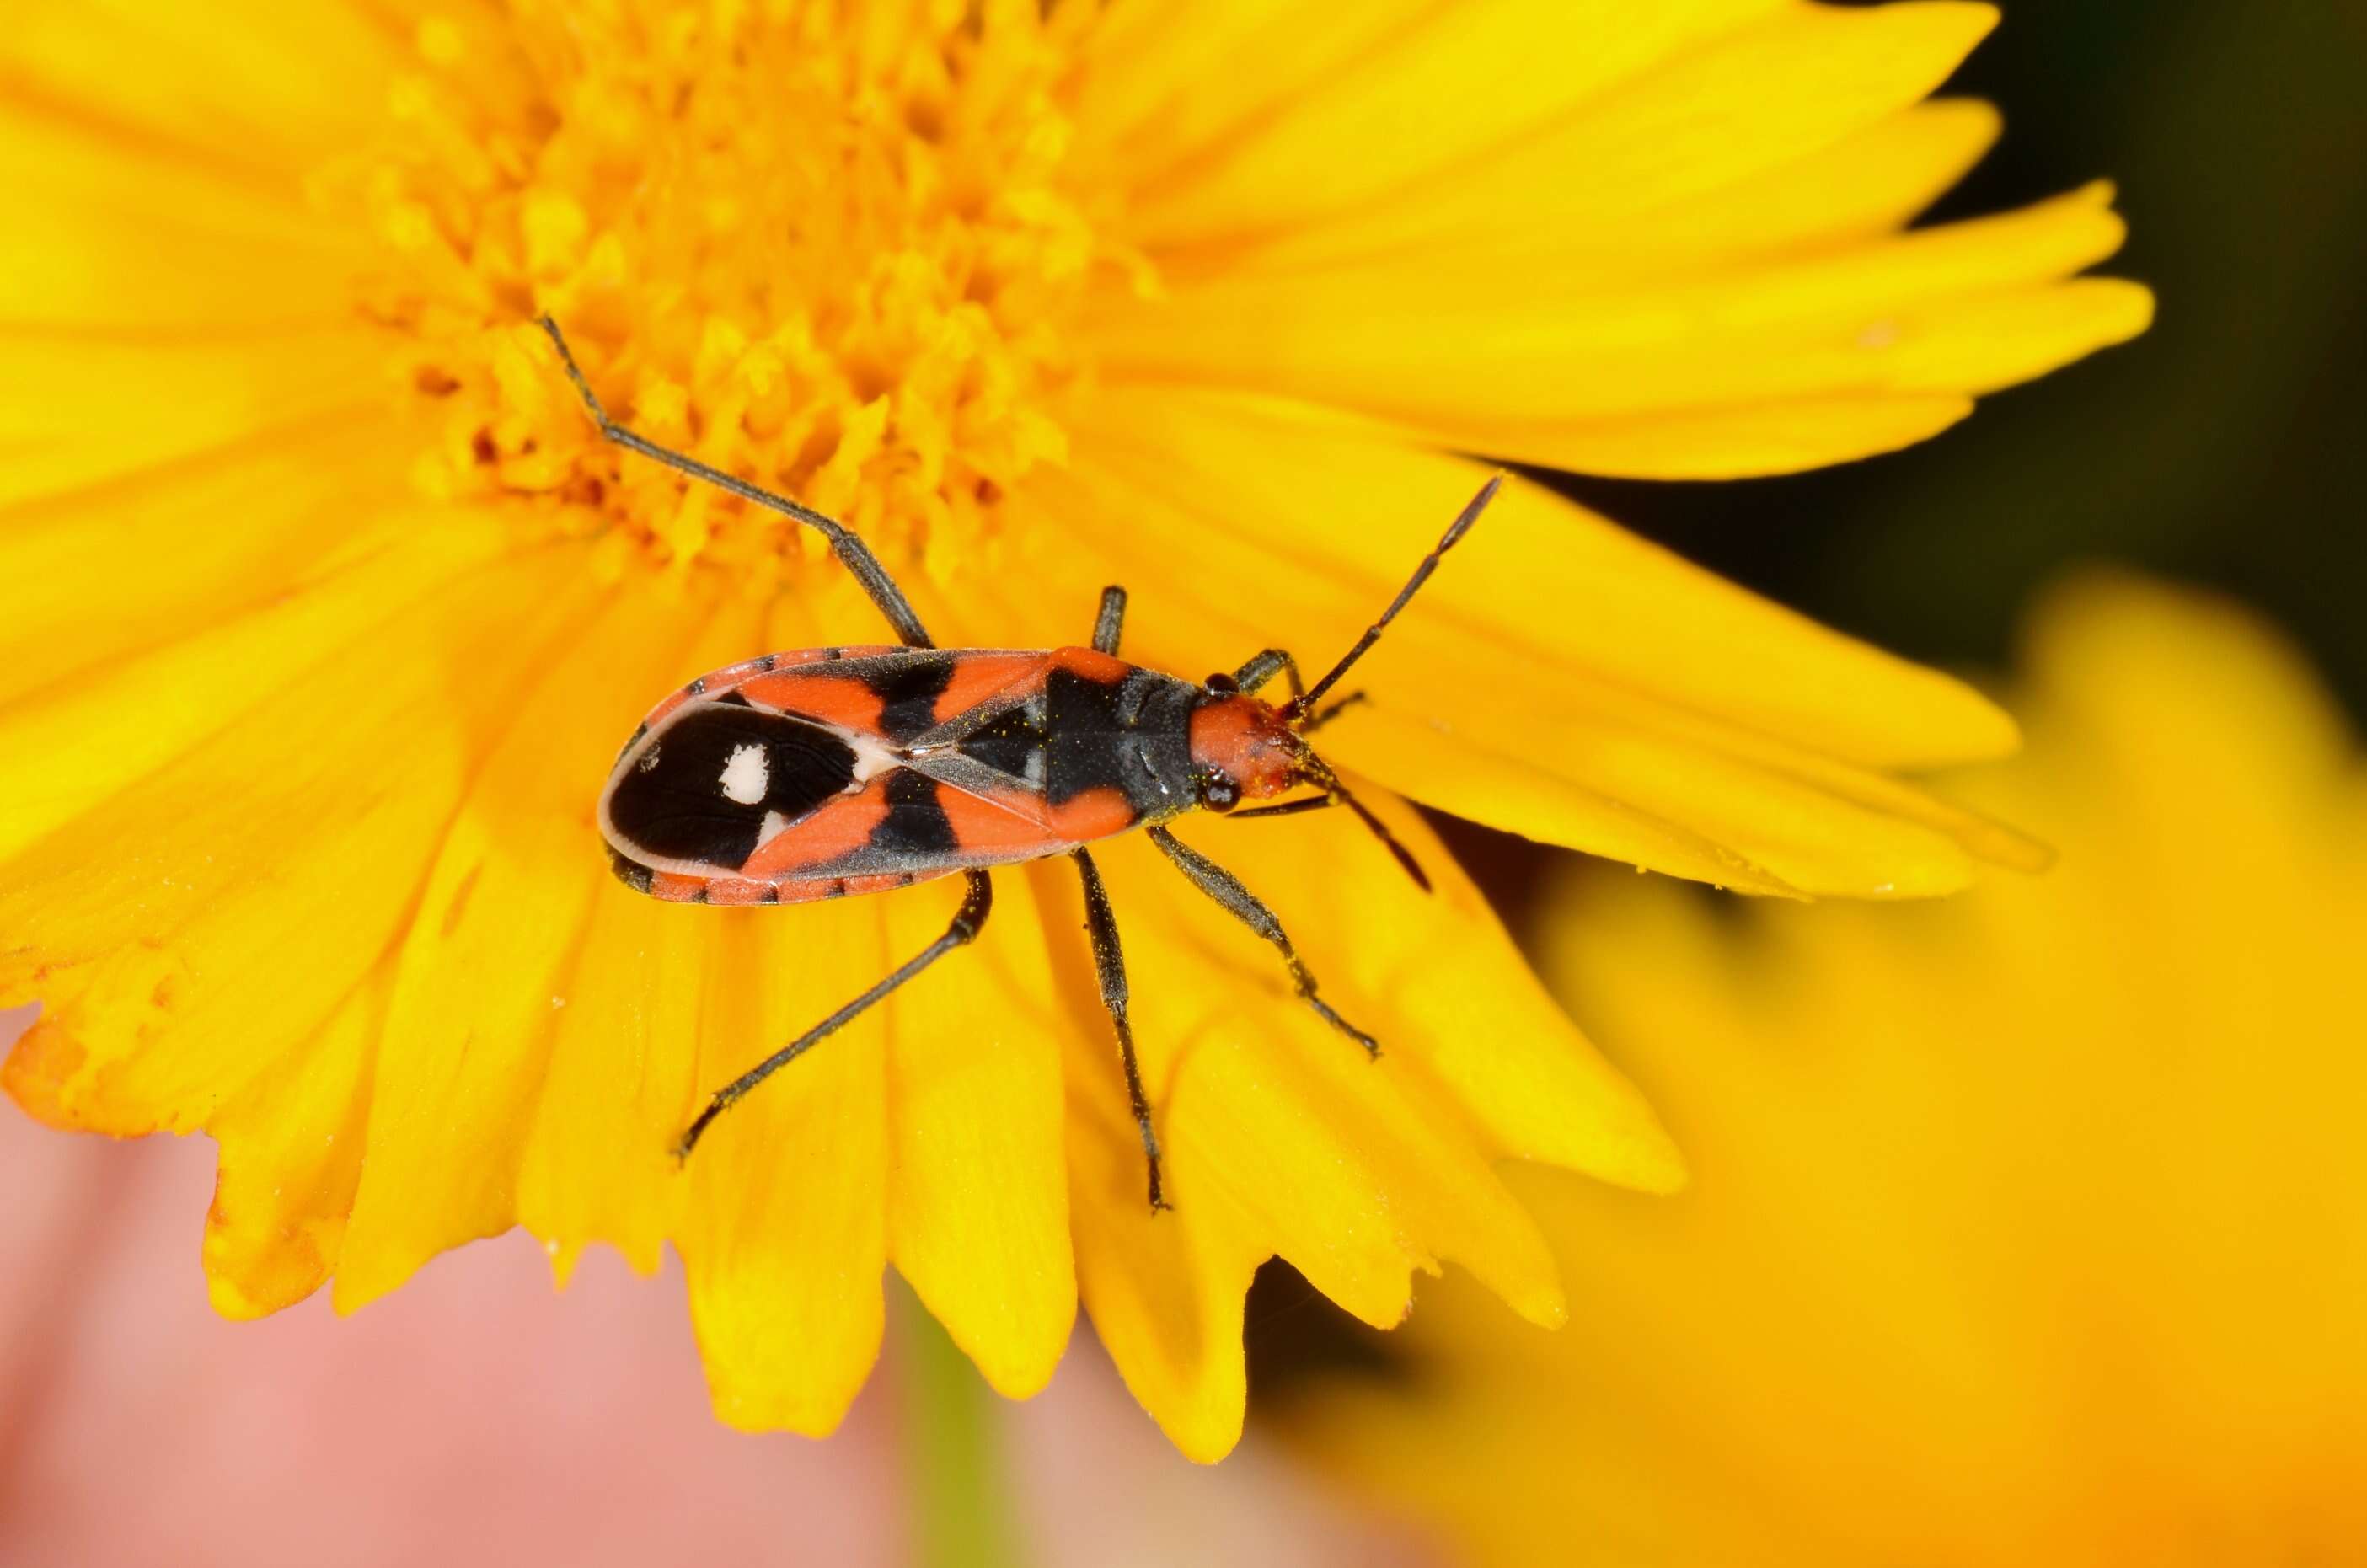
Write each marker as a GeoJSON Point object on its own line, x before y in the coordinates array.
{"type": "Point", "coordinates": [1547, 1308]}
{"type": "Point", "coordinates": [2013, 850]}
{"type": "Point", "coordinates": [1016, 1364]}
{"type": "Point", "coordinates": [1655, 1166]}
{"type": "Point", "coordinates": [44, 1059]}
{"type": "Point", "coordinates": [1975, 18]}
{"type": "Point", "coordinates": [244, 1283]}
{"type": "Point", "coordinates": [2131, 306]}
{"type": "Point", "coordinates": [1204, 1443]}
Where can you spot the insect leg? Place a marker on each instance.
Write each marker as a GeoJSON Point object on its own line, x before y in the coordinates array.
{"type": "Point", "coordinates": [1285, 808]}
{"type": "Point", "coordinates": [1111, 621]}
{"type": "Point", "coordinates": [1264, 667]}
{"type": "Point", "coordinates": [852, 551]}
{"type": "Point", "coordinates": [1226, 889]}
{"type": "Point", "coordinates": [1101, 925]}
{"type": "Point", "coordinates": [967, 919]}
{"type": "Point", "coordinates": [1330, 711]}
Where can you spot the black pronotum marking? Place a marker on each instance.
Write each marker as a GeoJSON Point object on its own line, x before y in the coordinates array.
{"type": "Point", "coordinates": [674, 808]}
{"type": "Point", "coordinates": [908, 689]}
{"type": "Point", "coordinates": [1133, 736]}
{"type": "Point", "coordinates": [915, 824]}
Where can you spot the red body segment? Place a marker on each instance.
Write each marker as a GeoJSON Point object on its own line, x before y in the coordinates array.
{"type": "Point", "coordinates": [1249, 742]}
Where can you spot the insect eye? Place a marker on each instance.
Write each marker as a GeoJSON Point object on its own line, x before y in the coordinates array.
{"type": "Point", "coordinates": [1219, 792]}
{"type": "Point", "coordinates": [1221, 685]}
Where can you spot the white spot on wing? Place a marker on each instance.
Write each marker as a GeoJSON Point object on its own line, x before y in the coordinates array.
{"type": "Point", "coordinates": [772, 828]}
{"type": "Point", "coordinates": [745, 774]}
{"type": "Point", "coordinates": [872, 758]}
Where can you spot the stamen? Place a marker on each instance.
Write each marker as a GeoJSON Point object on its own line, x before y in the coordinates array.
{"type": "Point", "coordinates": [844, 266]}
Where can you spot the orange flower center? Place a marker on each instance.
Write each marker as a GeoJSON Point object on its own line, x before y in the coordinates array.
{"type": "Point", "coordinates": [838, 249]}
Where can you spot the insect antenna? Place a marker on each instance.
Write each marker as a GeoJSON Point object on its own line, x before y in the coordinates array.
{"type": "Point", "coordinates": [1299, 708]}
{"type": "Point", "coordinates": [1381, 831]}
{"type": "Point", "coordinates": [1317, 772]}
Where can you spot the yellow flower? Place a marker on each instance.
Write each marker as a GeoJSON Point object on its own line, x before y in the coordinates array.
{"type": "Point", "coordinates": [2028, 1227]}
{"type": "Point", "coordinates": [329, 609]}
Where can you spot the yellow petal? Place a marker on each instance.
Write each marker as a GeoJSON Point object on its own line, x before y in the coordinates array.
{"type": "Point", "coordinates": [238, 894]}
{"type": "Point", "coordinates": [1333, 1160]}
{"type": "Point", "coordinates": [1784, 436]}
{"type": "Point", "coordinates": [83, 741]}
{"type": "Point", "coordinates": [784, 1236]}
{"type": "Point", "coordinates": [63, 416]}
{"type": "Point", "coordinates": [1478, 1031]}
{"type": "Point", "coordinates": [291, 1155]}
{"type": "Point", "coordinates": [476, 997]}
{"type": "Point", "coordinates": [623, 1079]}
{"type": "Point", "coordinates": [1164, 1291]}
{"type": "Point", "coordinates": [1258, 496]}
{"type": "Point", "coordinates": [1980, 345]}
{"type": "Point", "coordinates": [1282, 1138]}
{"type": "Point", "coordinates": [1510, 68]}
{"type": "Point", "coordinates": [978, 1209]}
{"type": "Point", "coordinates": [1559, 678]}
{"type": "Point", "coordinates": [248, 87]}
{"type": "Point", "coordinates": [1811, 826]}
{"type": "Point", "coordinates": [1513, 362]}
{"type": "Point", "coordinates": [153, 544]}
{"type": "Point", "coordinates": [1870, 183]}
{"type": "Point", "coordinates": [1164, 85]}
{"type": "Point", "coordinates": [205, 248]}
{"type": "Point", "coordinates": [599, 1162]}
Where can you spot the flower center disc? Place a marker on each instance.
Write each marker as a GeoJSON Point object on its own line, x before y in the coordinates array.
{"type": "Point", "coordinates": [840, 251]}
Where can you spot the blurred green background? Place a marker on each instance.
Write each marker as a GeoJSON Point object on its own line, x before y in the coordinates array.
{"type": "Point", "coordinates": [2223, 448]}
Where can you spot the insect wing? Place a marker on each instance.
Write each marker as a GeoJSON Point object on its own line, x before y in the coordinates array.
{"type": "Point", "coordinates": [798, 776]}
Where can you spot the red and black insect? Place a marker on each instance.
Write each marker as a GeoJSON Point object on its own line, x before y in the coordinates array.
{"type": "Point", "coordinates": [833, 771]}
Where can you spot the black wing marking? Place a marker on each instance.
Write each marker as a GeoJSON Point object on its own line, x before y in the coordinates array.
{"type": "Point", "coordinates": [701, 791]}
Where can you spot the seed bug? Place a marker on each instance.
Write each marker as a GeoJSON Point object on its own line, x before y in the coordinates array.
{"type": "Point", "coordinates": [831, 772]}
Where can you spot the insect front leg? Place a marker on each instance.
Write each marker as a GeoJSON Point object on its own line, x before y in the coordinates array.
{"type": "Point", "coordinates": [1226, 889]}
{"type": "Point", "coordinates": [1264, 667]}
{"type": "Point", "coordinates": [1330, 711]}
{"type": "Point", "coordinates": [976, 905]}
{"type": "Point", "coordinates": [1109, 962]}
{"type": "Point", "coordinates": [1111, 621]}
{"type": "Point", "coordinates": [851, 552]}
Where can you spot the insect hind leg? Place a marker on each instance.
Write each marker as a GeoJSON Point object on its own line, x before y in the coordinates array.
{"type": "Point", "coordinates": [1109, 963]}
{"type": "Point", "coordinates": [851, 552]}
{"type": "Point", "coordinates": [976, 905]}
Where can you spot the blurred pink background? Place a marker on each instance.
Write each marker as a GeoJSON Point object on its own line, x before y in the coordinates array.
{"type": "Point", "coordinates": [478, 1416]}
